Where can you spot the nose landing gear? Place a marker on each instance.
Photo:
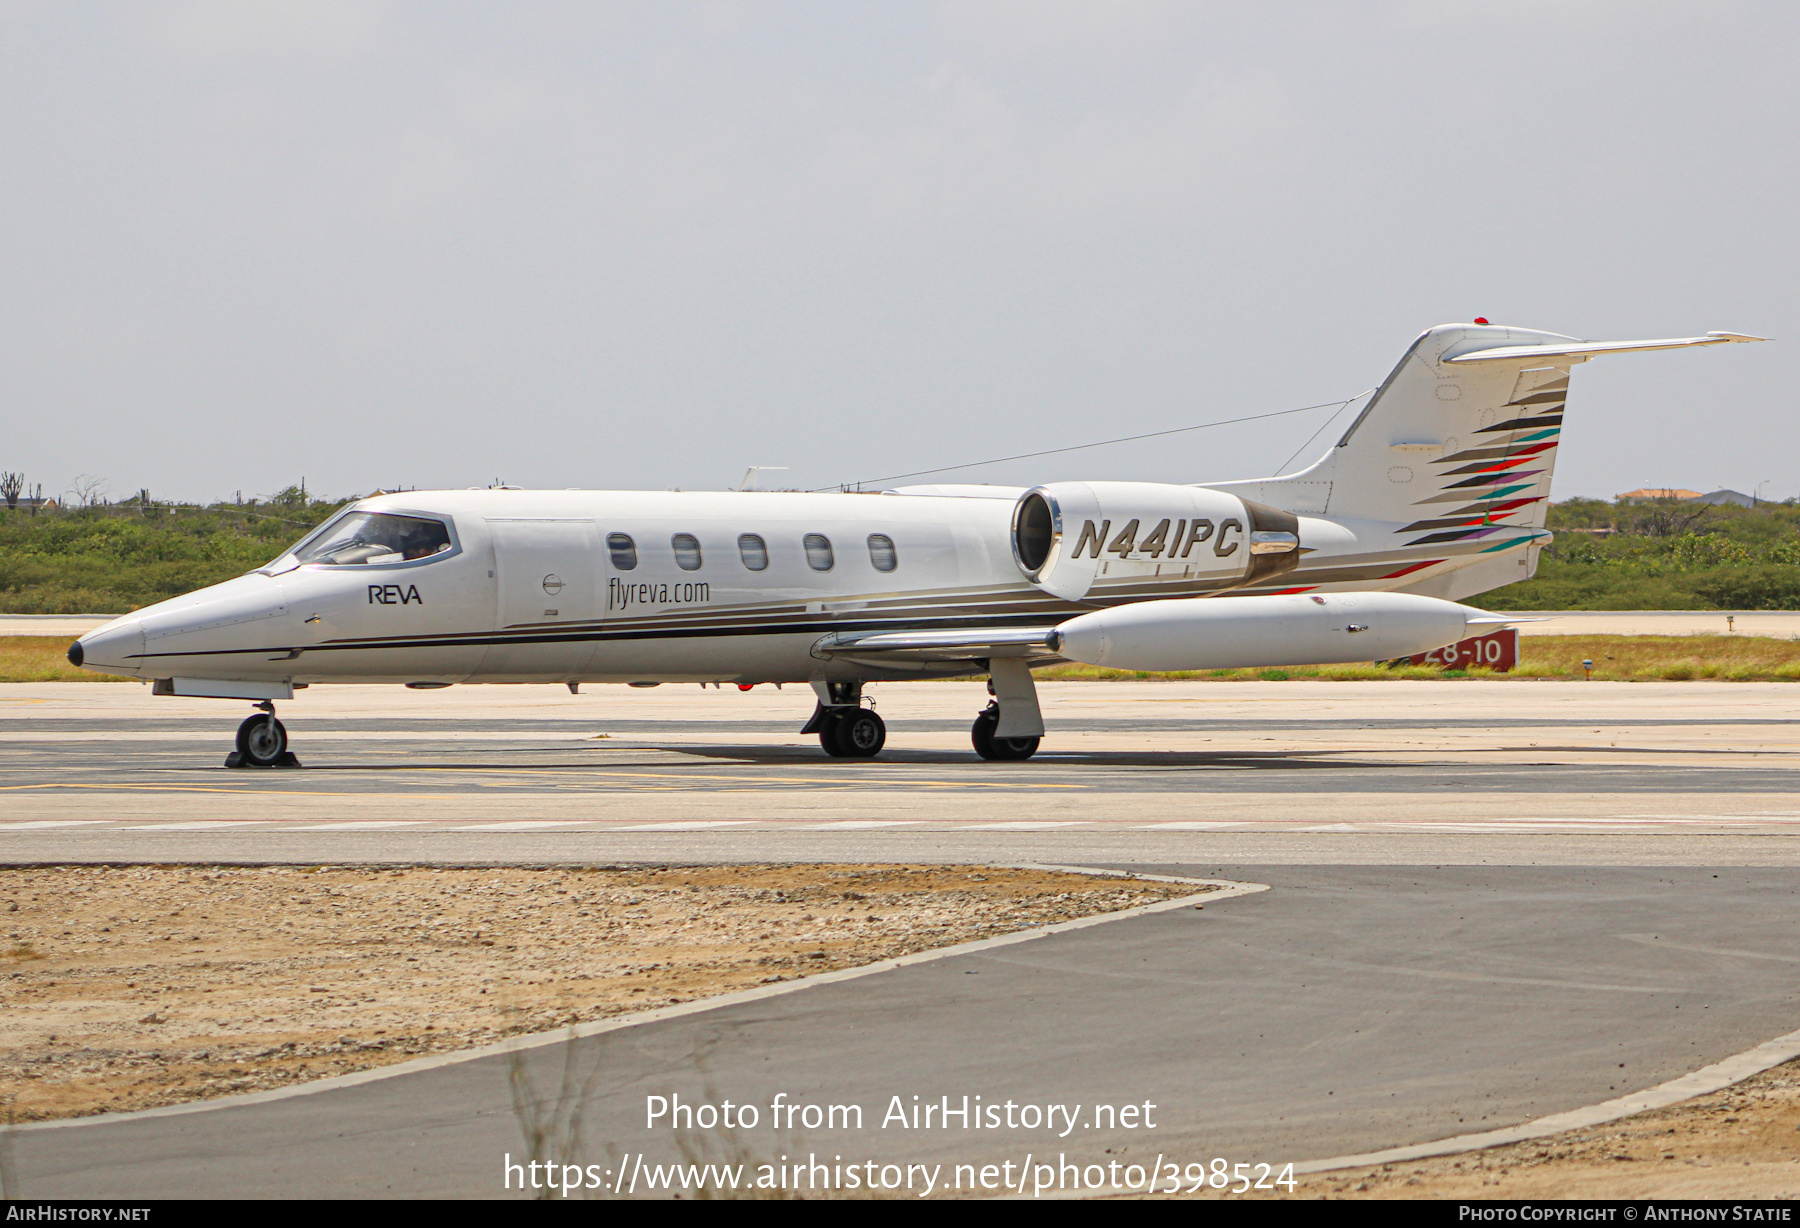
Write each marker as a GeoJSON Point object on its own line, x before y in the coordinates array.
{"type": "Point", "coordinates": [262, 742]}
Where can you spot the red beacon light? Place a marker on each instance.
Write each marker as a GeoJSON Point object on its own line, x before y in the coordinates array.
{"type": "Point", "coordinates": [1479, 320]}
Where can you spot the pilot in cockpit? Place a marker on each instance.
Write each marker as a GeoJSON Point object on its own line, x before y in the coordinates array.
{"type": "Point", "coordinates": [422, 539]}
{"type": "Point", "coordinates": [375, 538]}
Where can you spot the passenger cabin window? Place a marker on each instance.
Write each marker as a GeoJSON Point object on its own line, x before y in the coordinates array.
{"type": "Point", "coordinates": [377, 537]}
{"type": "Point", "coordinates": [754, 551]}
{"type": "Point", "coordinates": [623, 551]}
{"type": "Point", "coordinates": [881, 552]}
{"type": "Point", "coordinates": [687, 551]}
{"type": "Point", "coordinates": [818, 552]}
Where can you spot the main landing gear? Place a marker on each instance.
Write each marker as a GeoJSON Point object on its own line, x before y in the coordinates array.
{"type": "Point", "coordinates": [853, 734]}
{"type": "Point", "coordinates": [1011, 726]}
{"type": "Point", "coordinates": [262, 742]}
{"type": "Point", "coordinates": [981, 733]}
{"type": "Point", "coordinates": [846, 729]}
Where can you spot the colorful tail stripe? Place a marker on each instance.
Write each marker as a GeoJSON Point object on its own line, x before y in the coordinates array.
{"type": "Point", "coordinates": [1496, 463]}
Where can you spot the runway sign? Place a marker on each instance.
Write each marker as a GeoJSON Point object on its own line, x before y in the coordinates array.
{"type": "Point", "coordinates": [1498, 652]}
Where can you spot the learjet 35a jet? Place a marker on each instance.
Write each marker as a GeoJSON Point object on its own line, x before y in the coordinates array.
{"type": "Point", "coordinates": [1437, 491]}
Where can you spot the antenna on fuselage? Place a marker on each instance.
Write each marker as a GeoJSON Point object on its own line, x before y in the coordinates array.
{"type": "Point", "coordinates": [750, 475]}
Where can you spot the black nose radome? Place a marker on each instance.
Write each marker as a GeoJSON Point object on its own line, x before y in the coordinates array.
{"type": "Point", "coordinates": [75, 654]}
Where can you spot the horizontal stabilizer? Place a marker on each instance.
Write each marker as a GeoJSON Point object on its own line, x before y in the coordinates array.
{"type": "Point", "coordinates": [1583, 350]}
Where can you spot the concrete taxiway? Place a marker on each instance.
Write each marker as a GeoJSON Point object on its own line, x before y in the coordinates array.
{"type": "Point", "coordinates": [1342, 1011]}
{"type": "Point", "coordinates": [1136, 771]}
{"type": "Point", "coordinates": [1781, 624]}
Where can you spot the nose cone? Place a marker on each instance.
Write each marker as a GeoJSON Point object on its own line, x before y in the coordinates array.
{"type": "Point", "coordinates": [116, 648]}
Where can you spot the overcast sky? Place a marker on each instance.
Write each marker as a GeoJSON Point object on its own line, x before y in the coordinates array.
{"type": "Point", "coordinates": [648, 245]}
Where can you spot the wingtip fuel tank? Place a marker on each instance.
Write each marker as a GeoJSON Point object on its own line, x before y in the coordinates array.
{"type": "Point", "coordinates": [1282, 629]}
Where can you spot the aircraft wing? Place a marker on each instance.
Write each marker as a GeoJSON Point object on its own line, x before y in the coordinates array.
{"type": "Point", "coordinates": [959, 644]}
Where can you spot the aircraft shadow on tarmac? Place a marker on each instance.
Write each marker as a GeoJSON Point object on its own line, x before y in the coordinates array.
{"type": "Point", "coordinates": [791, 757]}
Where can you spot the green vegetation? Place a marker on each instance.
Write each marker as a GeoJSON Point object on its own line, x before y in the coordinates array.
{"type": "Point", "coordinates": [1616, 658]}
{"type": "Point", "coordinates": [111, 559]}
{"type": "Point", "coordinates": [1663, 556]}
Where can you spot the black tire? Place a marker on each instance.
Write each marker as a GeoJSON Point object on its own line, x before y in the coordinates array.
{"type": "Point", "coordinates": [828, 734]}
{"type": "Point", "coordinates": [861, 734]}
{"type": "Point", "coordinates": [981, 733]}
{"type": "Point", "coordinates": [262, 741]}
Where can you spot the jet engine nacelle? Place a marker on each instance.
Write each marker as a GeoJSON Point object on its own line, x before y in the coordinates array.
{"type": "Point", "coordinates": [1288, 629]}
{"type": "Point", "coordinates": [1070, 538]}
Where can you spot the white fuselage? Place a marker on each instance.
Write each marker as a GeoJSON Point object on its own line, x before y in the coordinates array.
{"type": "Point", "coordinates": [631, 586]}
{"type": "Point", "coordinates": [531, 592]}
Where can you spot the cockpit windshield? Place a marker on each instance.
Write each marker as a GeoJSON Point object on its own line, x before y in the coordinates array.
{"type": "Point", "coordinates": [375, 537]}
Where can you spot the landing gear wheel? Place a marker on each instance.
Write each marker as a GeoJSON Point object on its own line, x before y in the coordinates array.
{"type": "Point", "coordinates": [861, 734]}
{"type": "Point", "coordinates": [981, 733]}
{"type": "Point", "coordinates": [262, 742]}
{"type": "Point", "coordinates": [853, 733]}
{"type": "Point", "coordinates": [828, 734]}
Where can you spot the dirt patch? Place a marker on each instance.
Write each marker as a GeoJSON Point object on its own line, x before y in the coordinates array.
{"type": "Point", "coordinates": [137, 986]}
{"type": "Point", "coordinates": [1742, 1142]}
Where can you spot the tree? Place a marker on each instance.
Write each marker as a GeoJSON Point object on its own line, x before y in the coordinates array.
{"type": "Point", "coordinates": [10, 486]}
{"type": "Point", "coordinates": [88, 491]}
{"type": "Point", "coordinates": [1668, 518]}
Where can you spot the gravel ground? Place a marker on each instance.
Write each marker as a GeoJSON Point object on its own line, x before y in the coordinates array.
{"type": "Point", "coordinates": [1742, 1142]}
{"type": "Point", "coordinates": [129, 987]}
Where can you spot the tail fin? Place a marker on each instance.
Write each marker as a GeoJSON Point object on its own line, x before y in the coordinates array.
{"type": "Point", "coordinates": [1453, 455]}
{"type": "Point", "coordinates": [1459, 440]}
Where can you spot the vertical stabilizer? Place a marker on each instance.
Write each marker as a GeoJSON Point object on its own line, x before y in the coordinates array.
{"type": "Point", "coordinates": [1457, 451]}
{"type": "Point", "coordinates": [1452, 456]}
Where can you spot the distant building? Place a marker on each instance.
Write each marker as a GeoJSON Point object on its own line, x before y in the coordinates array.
{"type": "Point", "coordinates": [1727, 496]}
{"type": "Point", "coordinates": [1650, 496]}
{"type": "Point", "coordinates": [1678, 495]}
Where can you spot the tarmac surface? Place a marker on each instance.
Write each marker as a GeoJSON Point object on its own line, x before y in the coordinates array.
{"type": "Point", "coordinates": [1130, 772]}
{"type": "Point", "coordinates": [1783, 624]}
{"type": "Point", "coordinates": [1488, 901]}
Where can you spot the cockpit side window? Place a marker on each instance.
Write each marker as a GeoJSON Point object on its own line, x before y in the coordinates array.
{"type": "Point", "coordinates": [376, 537]}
